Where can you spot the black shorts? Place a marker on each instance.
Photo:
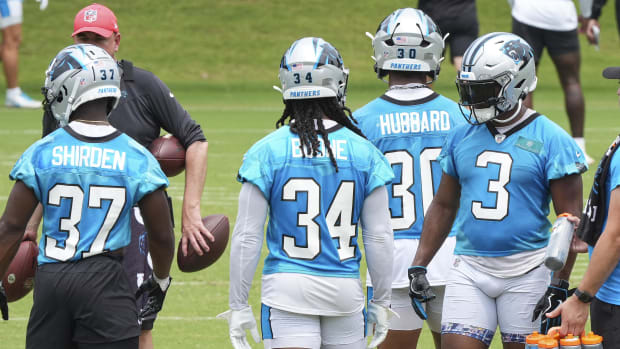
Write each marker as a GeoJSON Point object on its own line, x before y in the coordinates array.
{"type": "Point", "coordinates": [137, 262]}
{"type": "Point", "coordinates": [556, 42]}
{"type": "Point", "coordinates": [88, 301]}
{"type": "Point", "coordinates": [463, 31]}
{"type": "Point", "coordinates": [605, 321]}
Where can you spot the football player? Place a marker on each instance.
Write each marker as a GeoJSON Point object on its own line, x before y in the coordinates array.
{"type": "Point", "coordinates": [317, 177]}
{"type": "Point", "coordinates": [87, 175]}
{"type": "Point", "coordinates": [409, 123]}
{"type": "Point", "coordinates": [500, 173]}
{"type": "Point", "coordinates": [147, 106]}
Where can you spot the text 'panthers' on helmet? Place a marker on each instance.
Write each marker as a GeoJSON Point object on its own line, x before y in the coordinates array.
{"type": "Point", "coordinates": [79, 74]}
{"type": "Point", "coordinates": [408, 40]}
{"type": "Point", "coordinates": [497, 73]}
{"type": "Point", "coordinates": [313, 68]}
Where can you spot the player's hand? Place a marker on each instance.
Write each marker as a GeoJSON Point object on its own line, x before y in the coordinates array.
{"type": "Point", "coordinates": [194, 232]}
{"type": "Point", "coordinates": [238, 322]}
{"type": "Point", "coordinates": [4, 304]}
{"type": "Point", "coordinates": [43, 5]}
{"type": "Point", "coordinates": [556, 294]}
{"type": "Point", "coordinates": [155, 291]}
{"type": "Point", "coordinates": [379, 316]}
{"type": "Point", "coordinates": [419, 290]}
{"type": "Point", "coordinates": [590, 32]}
{"type": "Point", "coordinates": [574, 315]}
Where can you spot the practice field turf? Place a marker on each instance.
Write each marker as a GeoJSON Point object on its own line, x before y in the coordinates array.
{"type": "Point", "coordinates": [220, 58]}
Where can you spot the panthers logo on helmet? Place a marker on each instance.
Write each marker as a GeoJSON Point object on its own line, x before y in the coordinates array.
{"type": "Point", "coordinates": [65, 61]}
{"type": "Point", "coordinates": [329, 55]}
{"type": "Point", "coordinates": [517, 51]}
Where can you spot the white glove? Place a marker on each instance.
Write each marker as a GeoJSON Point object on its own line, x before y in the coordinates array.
{"type": "Point", "coordinates": [238, 322]}
{"type": "Point", "coordinates": [43, 5]}
{"type": "Point", "coordinates": [379, 316]}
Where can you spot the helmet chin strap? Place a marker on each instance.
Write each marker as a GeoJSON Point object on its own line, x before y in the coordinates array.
{"type": "Point", "coordinates": [511, 117]}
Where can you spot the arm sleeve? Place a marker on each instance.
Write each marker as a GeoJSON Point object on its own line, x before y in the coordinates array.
{"type": "Point", "coordinates": [247, 241]}
{"type": "Point", "coordinates": [585, 7]}
{"type": "Point", "coordinates": [597, 7]}
{"type": "Point", "coordinates": [378, 244]}
{"type": "Point", "coordinates": [172, 116]}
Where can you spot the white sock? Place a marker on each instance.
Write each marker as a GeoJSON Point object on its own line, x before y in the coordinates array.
{"type": "Point", "coordinates": [581, 142]}
{"type": "Point", "coordinates": [13, 92]}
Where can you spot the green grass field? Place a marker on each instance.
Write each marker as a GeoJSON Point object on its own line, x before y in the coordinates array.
{"type": "Point", "coordinates": [220, 58]}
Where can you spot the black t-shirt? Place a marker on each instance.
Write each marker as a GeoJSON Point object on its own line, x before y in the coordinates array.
{"type": "Point", "coordinates": [146, 106]}
{"type": "Point", "coordinates": [440, 9]}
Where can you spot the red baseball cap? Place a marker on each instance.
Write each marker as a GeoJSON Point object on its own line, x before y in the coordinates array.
{"type": "Point", "coordinates": [95, 18]}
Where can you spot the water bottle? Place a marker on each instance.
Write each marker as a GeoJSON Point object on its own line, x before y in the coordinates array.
{"type": "Point", "coordinates": [559, 242]}
{"type": "Point", "coordinates": [592, 341]}
{"type": "Point", "coordinates": [597, 37]}
{"type": "Point", "coordinates": [531, 341]}
{"type": "Point", "coordinates": [570, 342]}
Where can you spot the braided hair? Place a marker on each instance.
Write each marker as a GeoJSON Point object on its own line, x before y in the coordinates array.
{"type": "Point", "coordinates": [306, 113]}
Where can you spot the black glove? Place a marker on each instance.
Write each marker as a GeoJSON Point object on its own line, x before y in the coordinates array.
{"type": "Point", "coordinates": [419, 290]}
{"type": "Point", "coordinates": [556, 294]}
{"type": "Point", "coordinates": [155, 297]}
{"type": "Point", "coordinates": [4, 304]}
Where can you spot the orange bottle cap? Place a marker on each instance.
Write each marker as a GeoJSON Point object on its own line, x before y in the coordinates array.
{"type": "Point", "coordinates": [570, 340]}
{"type": "Point", "coordinates": [547, 343]}
{"type": "Point", "coordinates": [534, 338]}
{"type": "Point", "coordinates": [591, 338]}
{"type": "Point", "coordinates": [565, 215]}
{"type": "Point", "coordinates": [554, 332]}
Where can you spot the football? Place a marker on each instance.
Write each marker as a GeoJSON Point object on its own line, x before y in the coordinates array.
{"type": "Point", "coordinates": [19, 278]}
{"type": "Point", "coordinates": [170, 154]}
{"type": "Point", "coordinates": [218, 226]}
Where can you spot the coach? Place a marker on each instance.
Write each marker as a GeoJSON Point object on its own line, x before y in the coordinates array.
{"type": "Point", "coordinates": [599, 227]}
{"type": "Point", "coordinates": [146, 106]}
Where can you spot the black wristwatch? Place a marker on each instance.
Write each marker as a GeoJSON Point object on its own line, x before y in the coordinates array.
{"type": "Point", "coordinates": [583, 296]}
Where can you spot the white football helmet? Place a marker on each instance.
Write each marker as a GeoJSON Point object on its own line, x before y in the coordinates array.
{"type": "Point", "coordinates": [408, 40]}
{"type": "Point", "coordinates": [313, 68]}
{"type": "Point", "coordinates": [498, 71]}
{"type": "Point", "coordinates": [79, 74]}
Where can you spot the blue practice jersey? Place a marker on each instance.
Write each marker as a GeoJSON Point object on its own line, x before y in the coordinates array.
{"type": "Point", "coordinates": [314, 210]}
{"type": "Point", "coordinates": [609, 291]}
{"type": "Point", "coordinates": [504, 180]}
{"type": "Point", "coordinates": [410, 134]}
{"type": "Point", "coordinates": [87, 187]}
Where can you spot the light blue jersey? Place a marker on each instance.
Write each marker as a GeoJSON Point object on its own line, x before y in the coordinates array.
{"type": "Point", "coordinates": [87, 187]}
{"type": "Point", "coordinates": [410, 134]}
{"type": "Point", "coordinates": [504, 181]}
{"type": "Point", "coordinates": [314, 210]}
{"type": "Point", "coordinates": [609, 291]}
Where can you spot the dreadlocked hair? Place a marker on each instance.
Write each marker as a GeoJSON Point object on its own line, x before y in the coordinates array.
{"type": "Point", "coordinates": [306, 113]}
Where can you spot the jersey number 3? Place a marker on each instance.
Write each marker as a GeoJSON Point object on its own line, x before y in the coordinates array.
{"type": "Point", "coordinates": [75, 194]}
{"type": "Point", "coordinates": [339, 218]}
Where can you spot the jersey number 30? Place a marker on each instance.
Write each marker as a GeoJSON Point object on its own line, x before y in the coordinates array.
{"type": "Point", "coordinates": [339, 218]}
{"type": "Point", "coordinates": [75, 194]}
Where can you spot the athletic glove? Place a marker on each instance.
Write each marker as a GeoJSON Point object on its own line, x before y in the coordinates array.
{"type": "Point", "coordinates": [379, 316]}
{"type": "Point", "coordinates": [43, 5]}
{"type": "Point", "coordinates": [419, 290]}
{"type": "Point", "coordinates": [155, 291]}
{"type": "Point", "coordinates": [238, 322]}
{"type": "Point", "coordinates": [556, 294]}
{"type": "Point", "coordinates": [4, 304]}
